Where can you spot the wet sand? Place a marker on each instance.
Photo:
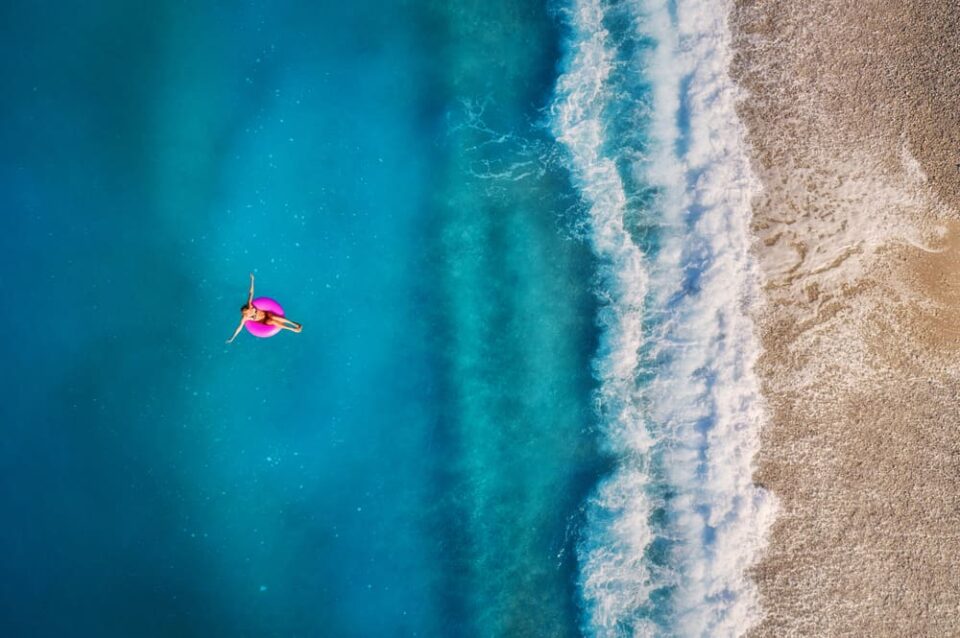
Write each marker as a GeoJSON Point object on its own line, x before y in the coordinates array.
{"type": "Point", "coordinates": [853, 116]}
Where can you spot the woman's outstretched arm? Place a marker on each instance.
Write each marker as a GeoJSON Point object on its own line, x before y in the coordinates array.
{"type": "Point", "coordinates": [250, 298]}
{"type": "Point", "coordinates": [239, 328]}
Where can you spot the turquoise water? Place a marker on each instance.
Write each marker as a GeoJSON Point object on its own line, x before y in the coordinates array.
{"type": "Point", "coordinates": [516, 234]}
{"type": "Point", "coordinates": [414, 462]}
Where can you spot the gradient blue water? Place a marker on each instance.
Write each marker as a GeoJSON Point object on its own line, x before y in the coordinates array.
{"type": "Point", "coordinates": [413, 463]}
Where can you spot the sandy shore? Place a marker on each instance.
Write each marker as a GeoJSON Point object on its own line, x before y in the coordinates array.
{"type": "Point", "coordinates": [853, 115]}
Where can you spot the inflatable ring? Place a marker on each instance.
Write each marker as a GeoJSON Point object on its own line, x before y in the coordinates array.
{"type": "Point", "coordinates": [258, 329]}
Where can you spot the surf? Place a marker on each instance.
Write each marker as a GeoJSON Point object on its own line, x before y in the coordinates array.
{"type": "Point", "coordinates": [646, 113]}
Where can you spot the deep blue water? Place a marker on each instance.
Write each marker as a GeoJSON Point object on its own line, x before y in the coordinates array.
{"type": "Point", "coordinates": [416, 461]}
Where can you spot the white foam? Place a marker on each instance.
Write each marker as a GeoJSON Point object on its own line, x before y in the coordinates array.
{"type": "Point", "coordinates": [614, 578]}
{"type": "Point", "coordinates": [707, 337]}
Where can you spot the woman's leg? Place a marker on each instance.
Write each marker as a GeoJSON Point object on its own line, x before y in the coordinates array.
{"type": "Point", "coordinates": [292, 325]}
{"type": "Point", "coordinates": [284, 323]}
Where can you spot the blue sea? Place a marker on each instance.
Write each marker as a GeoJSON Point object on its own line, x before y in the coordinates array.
{"type": "Point", "coordinates": [516, 234]}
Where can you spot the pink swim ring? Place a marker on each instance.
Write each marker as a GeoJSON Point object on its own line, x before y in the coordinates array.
{"type": "Point", "coordinates": [258, 329]}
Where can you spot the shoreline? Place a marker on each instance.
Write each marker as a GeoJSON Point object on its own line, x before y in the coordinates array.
{"type": "Point", "coordinates": [853, 129]}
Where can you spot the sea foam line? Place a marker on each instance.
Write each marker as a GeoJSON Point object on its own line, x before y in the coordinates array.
{"type": "Point", "coordinates": [685, 439]}
{"type": "Point", "coordinates": [616, 560]}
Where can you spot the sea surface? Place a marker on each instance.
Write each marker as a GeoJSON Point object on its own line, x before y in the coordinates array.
{"type": "Point", "coordinates": [516, 234]}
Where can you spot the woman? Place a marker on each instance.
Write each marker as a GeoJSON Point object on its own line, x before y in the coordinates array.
{"type": "Point", "coordinates": [249, 312]}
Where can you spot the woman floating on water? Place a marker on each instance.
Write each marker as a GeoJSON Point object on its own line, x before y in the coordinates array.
{"type": "Point", "coordinates": [263, 317]}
